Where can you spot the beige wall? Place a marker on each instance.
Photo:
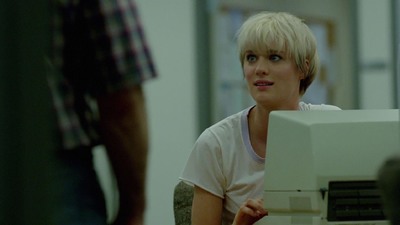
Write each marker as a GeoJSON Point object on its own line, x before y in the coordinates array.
{"type": "Point", "coordinates": [376, 74]}
{"type": "Point", "coordinates": [171, 100]}
{"type": "Point", "coordinates": [171, 106]}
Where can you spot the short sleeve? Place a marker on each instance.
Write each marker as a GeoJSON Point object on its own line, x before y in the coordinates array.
{"type": "Point", "coordinates": [308, 106]}
{"type": "Point", "coordinates": [204, 165]}
{"type": "Point", "coordinates": [100, 46]}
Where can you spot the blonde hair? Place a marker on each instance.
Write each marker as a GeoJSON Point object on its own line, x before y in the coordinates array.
{"type": "Point", "coordinates": [286, 33]}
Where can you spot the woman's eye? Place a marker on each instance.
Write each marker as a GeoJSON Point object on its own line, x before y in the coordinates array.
{"type": "Point", "coordinates": [275, 57]}
{"type": "Point", "coordinates": [251, 58]}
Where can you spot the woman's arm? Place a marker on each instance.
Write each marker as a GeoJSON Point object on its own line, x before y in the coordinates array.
{"type": "Point", "coordinates": [206, 208]}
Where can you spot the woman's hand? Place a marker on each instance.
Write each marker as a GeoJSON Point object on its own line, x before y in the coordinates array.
{"type": "Point", "coordinates": [250, 212]}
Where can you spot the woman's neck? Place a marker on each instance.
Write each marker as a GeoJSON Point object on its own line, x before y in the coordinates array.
{"type": "Point", "coordinates": [258, 119]}
{"type": "Point", "coordinates": [258, 128]}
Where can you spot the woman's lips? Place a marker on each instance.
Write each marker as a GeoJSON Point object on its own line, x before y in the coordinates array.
{"type": "Point", "coordinates": [263, 83]}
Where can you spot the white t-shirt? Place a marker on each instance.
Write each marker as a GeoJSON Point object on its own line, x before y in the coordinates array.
{"type": "Point", "coordinates": [224, 163]}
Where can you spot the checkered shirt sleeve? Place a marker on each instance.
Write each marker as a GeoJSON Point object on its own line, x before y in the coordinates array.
{"type": "Point", "coordinates": [98, 47]}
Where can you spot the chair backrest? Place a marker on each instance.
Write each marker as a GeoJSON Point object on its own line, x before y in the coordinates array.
{"type": "Point", "coordinates": [183, 197]}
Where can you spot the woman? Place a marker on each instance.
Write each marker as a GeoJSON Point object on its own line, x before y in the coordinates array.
{"type": "Point", "coordinates": [226, 167]}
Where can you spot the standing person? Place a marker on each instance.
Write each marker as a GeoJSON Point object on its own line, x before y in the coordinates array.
{"type": "Point", "coordinates": [388, 181]}
{"type": "Point", "coordinates": [100, 59]}
{"type": "Point", "coordinates": [226, 166]}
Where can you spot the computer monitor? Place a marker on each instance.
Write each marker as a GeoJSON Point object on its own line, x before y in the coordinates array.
{"type": "Point", "coordinates": [321, 166]}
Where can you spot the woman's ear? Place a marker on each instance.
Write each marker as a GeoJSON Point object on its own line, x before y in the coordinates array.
{"type": "Point", "coordinates": [302, 75]}
{"type": "Point", "coordinates": [305, 70]}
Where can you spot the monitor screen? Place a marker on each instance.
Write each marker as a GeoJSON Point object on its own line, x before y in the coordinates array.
{"type": "Point", "coordinates": [321, 166]}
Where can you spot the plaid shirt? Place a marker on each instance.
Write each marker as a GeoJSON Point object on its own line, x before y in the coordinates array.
{"type": "Point", "coordinates": [98, 47]}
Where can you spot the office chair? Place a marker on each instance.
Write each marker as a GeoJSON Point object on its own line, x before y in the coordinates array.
{"type": "Point", "coordinates": [389, 185]}
{"type": "Point", "coordinates": [183, 197]}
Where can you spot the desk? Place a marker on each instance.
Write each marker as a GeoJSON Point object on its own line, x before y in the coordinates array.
{"type": "Point", "coordinates": [287, 220]}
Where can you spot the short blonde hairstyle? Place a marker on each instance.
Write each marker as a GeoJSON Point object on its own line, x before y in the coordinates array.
{"type": "Point", "coordinates": [285, 32]}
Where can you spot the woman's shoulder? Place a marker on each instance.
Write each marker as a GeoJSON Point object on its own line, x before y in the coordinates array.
{"type": "Point", "coordinates": [230, 121]}
{"type": "Point", "coordinates": [225, 128]}
{"type": "Point", "coordinates": [309, 106]}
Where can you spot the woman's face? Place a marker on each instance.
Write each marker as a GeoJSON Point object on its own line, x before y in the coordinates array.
{"type": "Point", "coordinates": [273, 79]}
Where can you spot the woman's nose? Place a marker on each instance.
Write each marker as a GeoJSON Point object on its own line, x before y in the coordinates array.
{"type": "Point", "coordinates": [262, 66]}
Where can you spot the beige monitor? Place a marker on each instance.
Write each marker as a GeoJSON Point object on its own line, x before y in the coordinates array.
{"type": "Point", "coordinates": [321, 166]}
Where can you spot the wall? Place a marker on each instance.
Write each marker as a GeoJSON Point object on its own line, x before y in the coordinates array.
{"type": "Point", "coordinates": [171, 105]}
{"type": "Point", "coordinates": [376, 65]}
{"type": "Point", "coordinates": [171, 99]}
